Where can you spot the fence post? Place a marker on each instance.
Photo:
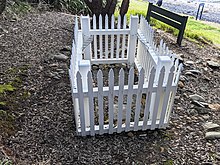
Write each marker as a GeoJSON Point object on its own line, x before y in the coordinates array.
{"type": "Point", "coordinates": [132, 39]}
{"type": "Point", "coordinates": [86, 35]}
{"type": "Point", "coordinates": [84, 68]}
{"type": "Point", "coordinates": [167, 63]}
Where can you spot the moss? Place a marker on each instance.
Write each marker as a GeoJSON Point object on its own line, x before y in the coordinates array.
{"type": "Point", "coordinates": [11, 94]}
{"type": "Point", "coordinates": [6, 87]}
{"type": "Point", "coordinates": [168, 162]}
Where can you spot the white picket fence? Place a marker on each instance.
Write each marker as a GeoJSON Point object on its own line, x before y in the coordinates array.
{"type": "Point", "coordinates": [120, 106]}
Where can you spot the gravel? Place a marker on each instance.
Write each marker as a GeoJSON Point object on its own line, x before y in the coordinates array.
{"type": "Point", "coordinates": [46, 129]}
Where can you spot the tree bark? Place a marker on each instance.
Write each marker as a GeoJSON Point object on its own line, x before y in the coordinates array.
{"type": "Point", "coordinates": [124, 7]}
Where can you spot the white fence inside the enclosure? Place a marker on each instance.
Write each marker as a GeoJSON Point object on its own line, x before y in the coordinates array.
{"type": "Point", "coordinates": [124, 105]}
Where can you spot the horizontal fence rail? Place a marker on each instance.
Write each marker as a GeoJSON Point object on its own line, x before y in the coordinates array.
{"type": "Point", "coordinates": [137, 98]}
{"type": "Point", "coordinates": [140, 96]}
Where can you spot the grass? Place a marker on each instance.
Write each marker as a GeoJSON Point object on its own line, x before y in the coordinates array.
{"type": "Point", "coordinates": [198, 31]}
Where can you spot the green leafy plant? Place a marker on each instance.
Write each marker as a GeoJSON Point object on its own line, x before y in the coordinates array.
{"type": "Point", "coordinates": [6, 87]}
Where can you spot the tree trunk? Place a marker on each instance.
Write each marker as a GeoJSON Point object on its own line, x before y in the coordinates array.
{"type": "Point", "coordinates": [124, 7]}
{"type": "Point", "coordinates": [2, 5]}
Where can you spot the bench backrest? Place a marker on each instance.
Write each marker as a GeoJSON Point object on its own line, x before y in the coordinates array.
{"type": "Point", "coordinates": [175, 20]}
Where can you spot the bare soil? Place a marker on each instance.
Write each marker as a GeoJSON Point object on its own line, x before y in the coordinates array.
{"type": "Point", "coordinates": [44, 130]}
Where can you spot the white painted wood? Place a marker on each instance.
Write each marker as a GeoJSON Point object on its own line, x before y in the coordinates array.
{"type": "Point", "coordinates": [148, 98]}
{"type": "Point", "coordinates": [84, 68]}
{"type": "Point", "coordinates": [178, 72]}
{"type": "Point", "coordinates": [138, 99]}
{"type": "Point", "coordinates": [111, 100]}
{"type": "Point", "coordinates": [81, 103]}
{"type": "Point", "coordinates": [76, 28]}
{"type": "Point", "coordinates": [85, 20]}
{"type": "Point", "coordinates": [100, 101]}
{"type": "Point", "coordinates": [100, 37]}
{"type": "Point", "coordinates": [91, 103]}
{"type": "Point", "coordinates": [118, 37]}
{"type": "Point", "coordinates": [160, 86]}
{"type": "Point", "coordinates": [129, 98]}
{"type": "Point", "coordinates": [120, 100]}
{"type": "Point", "coordinates": [106, 37]}
{"type": "Point", "coordinates": [132, 39]}
{"type": "Point", "coordinates": [123, 37]}
{"type": "Point", "coordinates": [95, 37]}
{"type": "Point", "coordinates": [166, 97]}
{"type": "Point", "coordinates": [112, 36]}
{"type": "Point", "coordinates": [109, 31]}
{"type": "Point", "coordinates": [156, 103]}
{"type": "Point", "coordinates": [109, 61]}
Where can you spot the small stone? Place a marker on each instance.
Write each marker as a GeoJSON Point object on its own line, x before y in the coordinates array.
{"type": "Point", "coordinates": [190, 74]}
{"type": "Point", "coordinates": [215, 107]}
{"type": "Point", "coordinates": [143, 135]}
{"type": "Point", "coordinates": [197, 97]}
{"type": "Point", "coordinates": [181, 84]}
{"type": "Point", "coordinates": [60, 57]}
{"type": "Point", "coordinates": [66, 48]}
{"type": "Point", "coordinates": [194, 71]}
{"type": "Point", "coordinates": [192, 112]}
{"type": "Point", "coordinates": [212, 135]}
{"type": "Point", "coordinates": [206, 117]}
{"type": "Point", "coordinates": [198, 103]}
{"type": "Point", "coordinates": [202, 110]}
{"type": "Point", "coordinates": [213, 64]}
{"type": "Point", "coordinates": [210, 126]}
{"type": "Point", "coordinates": [55, 77]}
{"type": "Point", "coordinates": [130, 134]}
{"type": "Point", "coordinates": [53, 65]}
{"type": "Point", "coordinates": [189, 62]}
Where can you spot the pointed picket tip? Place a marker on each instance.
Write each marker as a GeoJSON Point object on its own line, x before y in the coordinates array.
{"type": "Point", "coordinates": [78, 75]}
{"type": "Point", "coordinates": [119, 22]}
{"type": "Point", "coordinates": [111, 72]}
{"type": "Point", "coordinates": [172, 69]}
{"type": "Point", "coordinates": [106, 21]}
{"type": "Point", "coordinates": [94, 21]}
{"type": "Point", "coordinates": [180, 68]}
{"type": "Point", "coordinates": [113, 21]}
{"type": "Point", "coordinates": [153, 70]}
{"type": "Point", "coordinates": [99, 74]}
{"type": "Point", "coordinates": [141, 71]}
{"type": "Point", "coordinates": [162, 71]}
{"type": "Point", "coordinates": [125, 21]}
{"type": "Point", "coordinates": [131, 71]}
{"type": "Point", "coordinates": [121, 71]}
{"type": "Point", "coordinates": [89, 74]}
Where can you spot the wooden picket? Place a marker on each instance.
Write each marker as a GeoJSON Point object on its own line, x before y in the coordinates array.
{"type": "Point", "coordinates": [146, 104]}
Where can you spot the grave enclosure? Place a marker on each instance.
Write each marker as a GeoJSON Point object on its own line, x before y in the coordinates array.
{"type": "Point", "coordinates": [140, 96]}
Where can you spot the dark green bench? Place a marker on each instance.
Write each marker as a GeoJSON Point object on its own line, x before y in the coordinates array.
{"type": "Point", "coordinates": [175, 20]}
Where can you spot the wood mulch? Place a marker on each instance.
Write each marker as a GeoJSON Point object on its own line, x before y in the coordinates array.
{"type": "Point", "coordinates": [44, 128]}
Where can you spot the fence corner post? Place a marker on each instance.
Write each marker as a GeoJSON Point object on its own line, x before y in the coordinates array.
{"type": "Point", "coordinates": [132, 39]}
{"type": "Point", "coordinates": [85, 22]}
{"type": "Point", "coordinates": [84, 68]}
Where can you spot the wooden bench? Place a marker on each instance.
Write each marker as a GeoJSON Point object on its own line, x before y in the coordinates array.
{"type": "Point", "coordinates": [175, 20]}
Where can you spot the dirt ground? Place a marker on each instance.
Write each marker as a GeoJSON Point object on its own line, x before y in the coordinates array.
{"type": "Point", "coordinates": [41, 105]}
